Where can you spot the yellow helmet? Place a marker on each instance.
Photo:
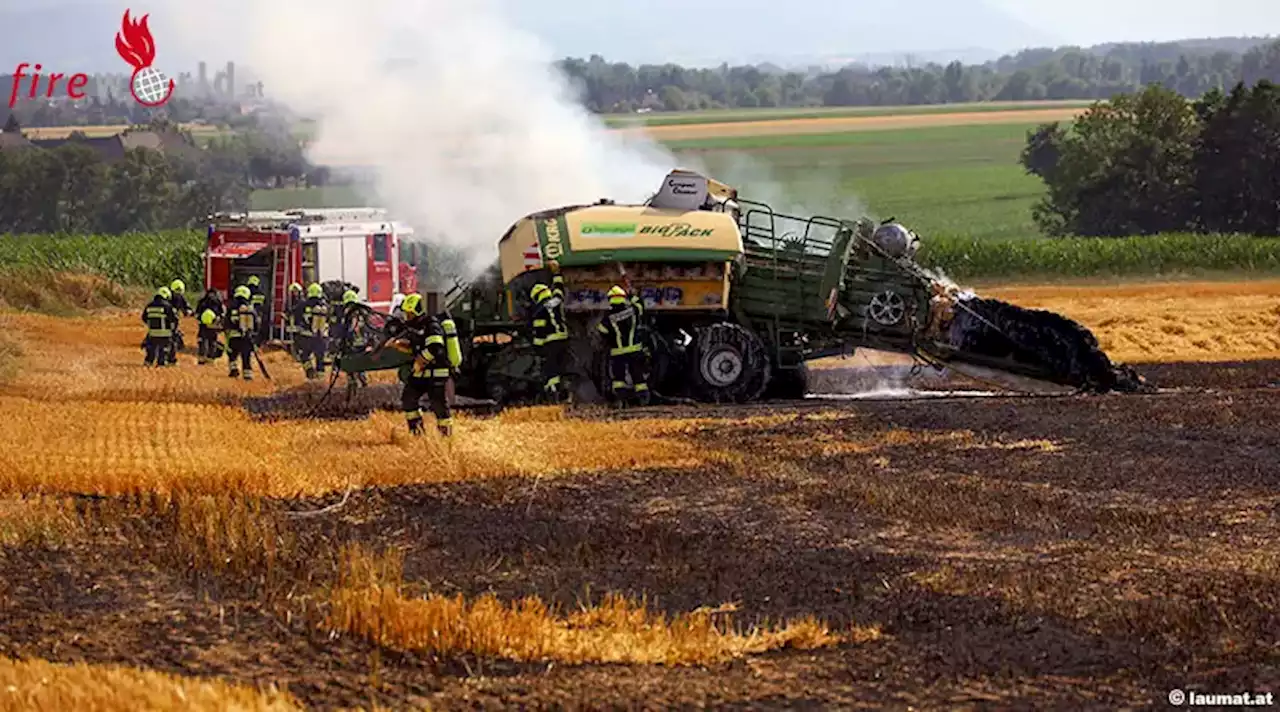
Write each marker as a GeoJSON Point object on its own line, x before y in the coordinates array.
{"type": "Point", "coordinates": [540, 292]}
{"type": "Point", "coordinates": [164, 293]}
{"type": "Point", "coordinates": [617, 295]}
{"type": "Point", "coordinates": [242, 292]}
{"type": "Point", "coordinates": [349, 297]}
{"type": "Point", "coordinates": [178, 287]}
{"type": "Point", "coordinates": [254, 281]}
{"type": "Point", "coordinates": [314, 290]}
{"type": "Point", "coordinates": [295, 287]}
{"type": "Point", "coordinates": [207, 317]}
{"type": "Point", "coordinates": [412, 304]}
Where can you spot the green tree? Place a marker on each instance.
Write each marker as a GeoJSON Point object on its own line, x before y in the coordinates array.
{"type": "Point", "coordinates": [30, 191]}
{"type": "Point", "coordinates": [1043, 150]}
{"type": "Point", "coordinates": [83, 189]}
{"type": "Point", "coordinates": [1125, 168]}
{"type": "Point", "coordinates": [1238, 161]}
{"type": "Point", "coordinates": [140, 193]}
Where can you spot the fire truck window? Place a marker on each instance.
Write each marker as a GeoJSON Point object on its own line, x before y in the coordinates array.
{"type": "Point", "coordinates": [380, 248]}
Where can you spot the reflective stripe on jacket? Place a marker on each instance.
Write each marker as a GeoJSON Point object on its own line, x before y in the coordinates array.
{"type": "Point", "coordinates": [430, 357]}
{"type": "Point", "coordinates": [241, 319]}
{"type": "Point", "coordinates": [619, 328]}
{"type": "Point", "coordinates": [315, 318]}
{"type": "Point", "coordinates": [548, 322]}
{"type": "Point", "coordinates": [160, 318]}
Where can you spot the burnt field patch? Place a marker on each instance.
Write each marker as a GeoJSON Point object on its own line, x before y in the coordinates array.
{"type": "Point", "coordinates": [1074, 551]}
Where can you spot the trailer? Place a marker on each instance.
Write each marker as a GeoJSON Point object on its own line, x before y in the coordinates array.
{"type": "Point", "coordinates": [359, 248]}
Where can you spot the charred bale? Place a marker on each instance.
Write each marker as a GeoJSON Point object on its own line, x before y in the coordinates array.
{"type": "Point", "coordinates": [1061, 347]}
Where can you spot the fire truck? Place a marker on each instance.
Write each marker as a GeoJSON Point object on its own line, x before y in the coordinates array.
{"type": "Point", "coordinates": [362, 248]}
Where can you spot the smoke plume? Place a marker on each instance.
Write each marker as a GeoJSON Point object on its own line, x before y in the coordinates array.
{"type": "Point", "coordinates": [461, 118]}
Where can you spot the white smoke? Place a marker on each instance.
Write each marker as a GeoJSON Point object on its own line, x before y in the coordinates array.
{"type": "Point", "coordinates": [815, 189]}
{"type": "Point", "coordinates": [461, 117]}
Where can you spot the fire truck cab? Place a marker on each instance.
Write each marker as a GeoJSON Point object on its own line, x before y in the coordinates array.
{"type": "Point", "coordinates": [360, 247]}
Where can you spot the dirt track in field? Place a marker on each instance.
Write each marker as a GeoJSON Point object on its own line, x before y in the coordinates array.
{"type": "Point", "coordinates": [790, 127]}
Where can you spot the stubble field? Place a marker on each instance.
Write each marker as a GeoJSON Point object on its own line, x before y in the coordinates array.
{"type": "Point", "coordinates": [1079, 551]}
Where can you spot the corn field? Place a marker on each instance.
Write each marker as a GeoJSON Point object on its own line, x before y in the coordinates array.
{"type": "Point", "coordinates": [1154, 255]}
{"type": "Point", "coordinates": [134, 259]}
{"type": "Point", "coordinates": [152, 259]}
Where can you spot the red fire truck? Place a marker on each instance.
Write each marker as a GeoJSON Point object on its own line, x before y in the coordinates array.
{"type": "Point", "coordinates": [361, 247]}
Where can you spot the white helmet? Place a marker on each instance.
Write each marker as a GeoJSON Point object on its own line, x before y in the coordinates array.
{"type": "Point", "coordinates": [396, 301]}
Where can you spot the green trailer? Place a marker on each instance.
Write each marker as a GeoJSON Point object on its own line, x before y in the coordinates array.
{"type": "Point", "coordinates": [740, 297]}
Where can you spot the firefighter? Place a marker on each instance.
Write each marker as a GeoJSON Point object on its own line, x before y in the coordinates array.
{"type": "Point", "coordinates": [429, 374]}
{"type": "Point", "coordinates": [259, 302]}
{"type": "Point", "coordinates": [351, 341]}
{"type": "Point", "coordinates": [551, 338]}
{"type": "Point", "coordinates": [178, 290]}
{"type": "Point", "coordinates": [620, 329]}
{"type": "Point", "coordinates": [161, 320]}
{"type": "Point", "coordinates": [241, 323]}
{"type": "Point", "coordinates": [209, 312]}
{"type": "Point", "coordinates": [313, 329]}
{"type": "Point", "coordinates": [292, 317]}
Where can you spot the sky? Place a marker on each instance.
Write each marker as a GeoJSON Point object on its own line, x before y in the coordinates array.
{"type": "Point", "coordinates": [1089, 22]}
{"type": "Point", "coordinates": [582, 27]}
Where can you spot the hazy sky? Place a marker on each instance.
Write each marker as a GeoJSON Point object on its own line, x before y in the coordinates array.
{"type": "Point", "coordinates": [1088, 22]}
{"type": "Point", "coordinates": [634, 37]}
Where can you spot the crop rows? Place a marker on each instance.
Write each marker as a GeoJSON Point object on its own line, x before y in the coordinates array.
{"type": "Point", "coordinates": [138, 259]}
{"type": "Point", "coordinates": [154, 259]}
{"type": "Point", "coordinates": [1169, 254]}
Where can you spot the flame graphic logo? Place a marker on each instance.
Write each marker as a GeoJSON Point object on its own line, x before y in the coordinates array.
{"type": "Point", "coordinates": [136, 46]}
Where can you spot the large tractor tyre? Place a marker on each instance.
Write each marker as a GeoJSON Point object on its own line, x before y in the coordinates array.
{"type": "Point", "coordinates": [729, 364]}
{"type": "Point", "coordinates": [788, 383]}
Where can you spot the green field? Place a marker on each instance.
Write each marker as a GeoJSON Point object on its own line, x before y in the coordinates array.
{"type": "Point", "coordinates": [954, 181]}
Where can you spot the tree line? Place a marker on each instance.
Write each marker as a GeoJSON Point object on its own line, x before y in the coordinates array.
{"type": "Point", "coordinates": [1191, 68]}
{"type": "Point", "coordinates": [1156, 161]}
{"type": "Point", "coordinates": [77, 187]}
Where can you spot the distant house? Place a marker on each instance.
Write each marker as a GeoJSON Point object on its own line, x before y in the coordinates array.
{"type": "Point", "coordinates": [113, 148]}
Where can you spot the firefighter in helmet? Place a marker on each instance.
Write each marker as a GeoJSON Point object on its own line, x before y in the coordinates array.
{"type": "Point", "coordinates": [551, 338]}
{"type": "Point", "coordinates": [258, 300]}
{"type": "Point", "coordinates": [621, 332]}
{"type": "Point", "coordinates": [293, 317]}
{"type": "Point", "coordinates": [429, 374]}
{"type": "Point", "coordinates": [313, 330]}
{"type": "Point", "coordinates": [241, 323]}
{"type": "Point", "coordinates": [178, 298]}
{"type": "Point", "coordinates": [209, 312]}
{"type": "Point", "coordinates": [161, 320]}
{"type": "Point", "coordinates": [347, 334]}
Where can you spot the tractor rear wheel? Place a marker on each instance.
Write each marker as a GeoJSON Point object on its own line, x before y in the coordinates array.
{"type": "Point", "coordinates": [729, 364]}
